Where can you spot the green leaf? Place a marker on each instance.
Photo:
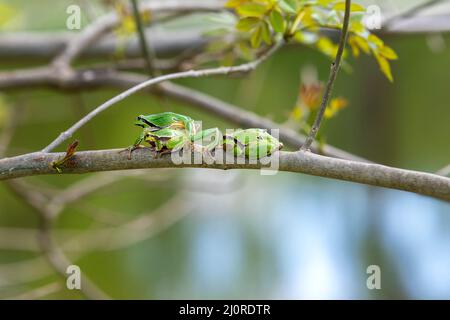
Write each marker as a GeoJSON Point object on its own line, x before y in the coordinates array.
{"type": "Point", "coordinates": [256, 37]}
{"type": "Point", "coordinates": [245, 51]}
{"type": "Point", "coordinates": [277, 21]}
{"type": "Point", "coordinates": [388, 53]}
{"type": "Point", "coordinates": [252, 10]}
{"type": "Point", "coordinates": [233, 3]}
{"type": "Point", "coordinates": [354, 7]}
{"type": "Point", "coordinates": [247, 24]}
{"type": "Point", "coordinates": [7, 13]}
{"type": "Point", "coordinates": [385, 67]}
{"type": "Point", "coordinates": [265, 33]}
{"type": "Point", "coordinates": [288, 6]}
{"type": "Point", "coordinates": [375, 40]}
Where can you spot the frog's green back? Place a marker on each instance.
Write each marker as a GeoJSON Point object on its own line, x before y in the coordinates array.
{"type": "Point", "coordinates": [165, 119]}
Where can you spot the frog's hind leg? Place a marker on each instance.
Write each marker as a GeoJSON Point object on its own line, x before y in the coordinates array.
{"type": "Point", "coordinates": [160, 153]}
{"type": "Point", "coordinates": [213, 139]}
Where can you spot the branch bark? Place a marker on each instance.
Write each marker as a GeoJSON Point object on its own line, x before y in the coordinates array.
{"type": "Point", "coordinates": [301, 162]}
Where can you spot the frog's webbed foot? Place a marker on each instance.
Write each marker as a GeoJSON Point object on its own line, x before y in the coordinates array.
{"type": "Point", "coordinates": [160, 153]}
{"type": "Point", "coordinates": [130, 149]}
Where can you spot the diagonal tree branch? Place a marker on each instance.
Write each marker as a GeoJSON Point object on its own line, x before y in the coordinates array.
{"type": "Point", "coordinates": [243, 68]}
{"type": "Point", "coordinates": [147, 52]}
{"type": "Point", "coordinates": [411, 12]}
{"type": "Point", "coordinates": [106, 23]}
{"type": "Point", "coordinates": [51, 251]}
{"type": "Point", "coordinates": [89, 79]}
{"type": "Point", "coordinates": [37, 202]}
{"type": "Point", "coordinates": [38, 293]}
{"type": "Point", "coordinates": [332, 78]}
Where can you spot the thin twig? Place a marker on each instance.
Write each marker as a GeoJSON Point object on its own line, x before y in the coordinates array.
{"type": "Point", "coordinates": [39, 293]}
{"type": "Point", "coordinates": [53, 254]}
{"type": "Point", "coordinates": [147, 52]}
{"type": "Point", "coordinates": [88, 186]}
{"type": "Point", "coordinates": [106, 23]}
{"type": "Point", "coordinates": [246, 118]}
{"type": "Point", "coordinates": [88, 79]}
{"type": "Point", "coordinates": [243, 68]}
{"type": "Point", "coordinates": [333, 74]}
{"type": "Point", "coordinates": [60, 262]}
{"type": "Point", "coordinates": [36, 201]}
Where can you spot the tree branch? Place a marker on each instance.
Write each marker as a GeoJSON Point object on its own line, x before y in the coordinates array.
{"type": "Point", "coordinates": [412, 12]}
{"type": "Point", "coordinates": [301, 162]}
{"type": "Point", "coordinates": [91, 79]}
{"type": "Point", "coordinates": [51, 251]}
{"type": "Point", "coordinates": [332, 78]}
{"type": "Point", "coordinates": [147, 52]}
{"type": "Point", "coordinates": [247, 119]}
{"type": "Point", "coordinates": [106, 23]}
{"type": "Point", "coordinates": [39, 293]}
{"type": "Point", "coordinates": [45, 45]}
{"type": "Point", "coordinates": [243, 68]}
{"type": "Point", "coordinates": [37, 202]}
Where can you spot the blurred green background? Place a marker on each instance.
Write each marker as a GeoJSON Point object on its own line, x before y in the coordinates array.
{"type": "Point", "coordinates": [240, 234]}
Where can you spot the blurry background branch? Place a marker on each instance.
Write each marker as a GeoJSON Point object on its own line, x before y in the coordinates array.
{"type": "Point", "coordinates": [175, 51]}
{"type": "Point", "coordinates": [49, 248]}
{"type": "Point", "coordinates": [64, 77]}
{"type": "Point", "coordinates": [242, 68]}
{"type": "Point", "coordinates": [45, 45]}
{"type": "Point", "coordinates": [49, 207]}
{"type": "Point", "coordinates": [37, 202]}
{"type": "Point", "coordinates": [411, 16]}
{"type": "Point", "coordinates": [147, 51]}
{"type": "Point", "coordinates": [92, 79]}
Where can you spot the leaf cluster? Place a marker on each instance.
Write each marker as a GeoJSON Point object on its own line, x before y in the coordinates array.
{"type": "Point", "coordinates": [260, 22]}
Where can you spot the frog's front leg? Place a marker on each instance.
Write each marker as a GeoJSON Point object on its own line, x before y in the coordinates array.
{"type": "Point", "coordinates": [136, 145]}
